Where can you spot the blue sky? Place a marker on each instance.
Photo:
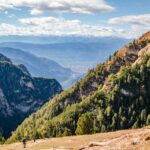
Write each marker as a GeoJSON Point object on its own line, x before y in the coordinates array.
{"type": "Point", "coordinates": [128, 18]}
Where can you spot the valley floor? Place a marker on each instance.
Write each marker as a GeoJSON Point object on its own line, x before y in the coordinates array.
{"type": "Point", "coordinates": [138, 139]}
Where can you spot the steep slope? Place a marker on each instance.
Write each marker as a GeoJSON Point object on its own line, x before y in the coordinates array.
{"type": "Point", "coordinates": [39, 67]}
{"type": "Point", "coordinates": [105, 100]}
{"type": "Point", "coordinates": [24, 69]}
{"type": "Point", "coordinates": [21, 94]}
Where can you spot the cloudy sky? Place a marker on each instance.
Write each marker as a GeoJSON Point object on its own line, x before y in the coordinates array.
{"type": "Point", "coordinates": [127, 18]}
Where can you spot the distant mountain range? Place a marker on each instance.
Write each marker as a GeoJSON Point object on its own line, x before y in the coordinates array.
{"type": "Point", "coordinates": [60, 39]}
{"type": "Point", "coordinates": [114, 95]}
{"type": "Point", "coordinates": [21, 94]}
{"type": "Point", "coordinates": [41, 67]}
{"type": "Point", "coordinates": [76, 53]}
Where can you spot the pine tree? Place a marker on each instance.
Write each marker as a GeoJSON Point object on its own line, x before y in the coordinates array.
{"type": "Point", "coordinates": [143, 115]}
{"type": "Point", "coordinates": [148, 120]}
{"type": "Point", "coordinates": [85, 124]}
{"type": "Point", "coordinates": [2, 139]}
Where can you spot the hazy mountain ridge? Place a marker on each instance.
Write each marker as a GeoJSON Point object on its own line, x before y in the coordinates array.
{"type": "Point", "coordinates": [59, 39]}
{"type": "Point", "coordinates": [21, 94]}
{"type": "Point", "coordinates": [40, 67]}
{"type": "Point", "coordinates": [77, 53]}
{"type": "Point", "coordinates": [102, 101]}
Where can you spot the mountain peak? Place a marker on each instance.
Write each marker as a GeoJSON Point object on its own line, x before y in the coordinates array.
{"type": "Point", "coordinates": [145, 36]}
{"type": "Point", "coordinates": [134, 47]}
{"type": "Point", "coordinates": [24, 69]}
{"type": "Point", "coordinates": [4, 58]}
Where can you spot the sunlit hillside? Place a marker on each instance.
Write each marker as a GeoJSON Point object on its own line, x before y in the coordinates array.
{"type": "Point", "coordinates": [137, 139]}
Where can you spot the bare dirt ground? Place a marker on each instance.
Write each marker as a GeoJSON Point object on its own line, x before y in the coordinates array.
{"type": "Point", "coordinates": [138, 139]}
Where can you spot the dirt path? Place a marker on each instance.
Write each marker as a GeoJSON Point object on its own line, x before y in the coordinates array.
{"type": "Point", "coordinates": [121, 140]}
{"type": "Point", "coordinates": [132, 141]}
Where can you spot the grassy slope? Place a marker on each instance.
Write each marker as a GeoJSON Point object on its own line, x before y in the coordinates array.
{"type": "Point", "coordinates": [137, 139]}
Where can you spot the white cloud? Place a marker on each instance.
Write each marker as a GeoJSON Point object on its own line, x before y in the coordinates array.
{"type": "Point", "coordinates": [136, 31]}
{"type": "Point", "coordinates": [46, 26]}
{"type": "Point", "coordinates": [79, 6]}
{"type": "Point", "coordinates": [4, 5]}
{"type": "Point", "coordinates": [56, 26]}
{"type": "Point", "coordinates": [59, 26]}
{"type": "Point", "coordinates": [36, 12]}
{"type": "Point", "coordinates": [40, 21]}
{"type": "Point", "coordinates": [133, 19]}
{"type": "Point", "coordinates": [137, 24]}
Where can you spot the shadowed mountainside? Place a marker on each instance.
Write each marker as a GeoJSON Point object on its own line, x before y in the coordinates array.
{"type": "Point", "coordinates": [21, 94]}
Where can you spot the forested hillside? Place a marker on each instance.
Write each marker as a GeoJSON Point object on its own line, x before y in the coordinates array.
{"type": "Point", "coordinates": [21, 94]}
{"type": "Point", "coordinates": [114, 95]}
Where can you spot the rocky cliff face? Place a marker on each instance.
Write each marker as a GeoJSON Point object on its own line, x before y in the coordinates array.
{"type": "Point", "coordinates": [21, 94]}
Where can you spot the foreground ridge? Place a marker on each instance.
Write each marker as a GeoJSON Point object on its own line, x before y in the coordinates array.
{"type": "Point", "coordinates": [121, 140]}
